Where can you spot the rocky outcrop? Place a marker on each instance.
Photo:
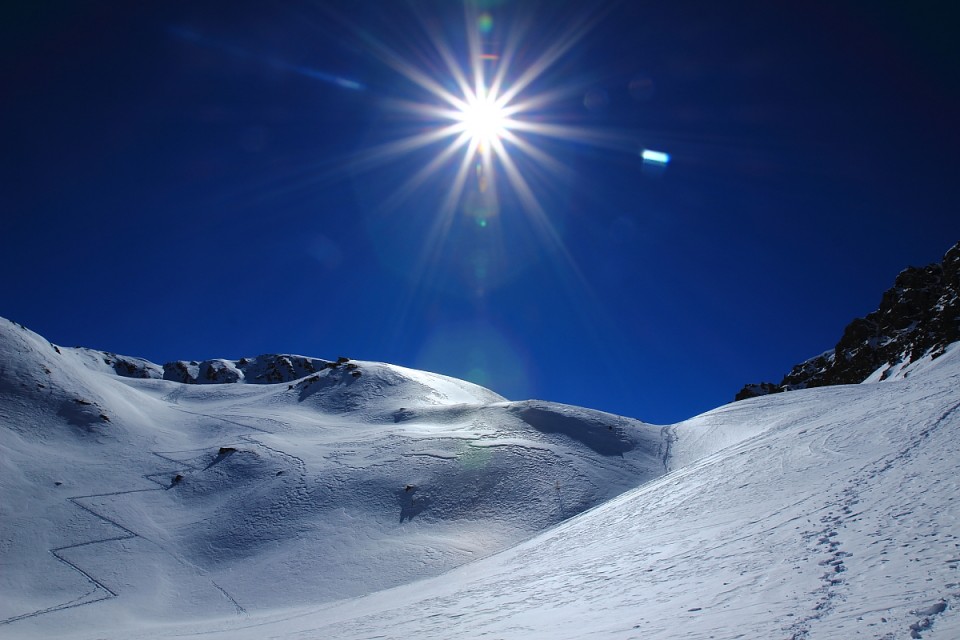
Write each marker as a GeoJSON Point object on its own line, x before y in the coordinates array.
{"type": "Point", "coordinates": [128, 367]}
{"type": "Point", "coordinates": [919, 315]}
{"type": "Point", "coordinates": [757, 389]}
{"type": "Point", "coordinates": [265, 369]}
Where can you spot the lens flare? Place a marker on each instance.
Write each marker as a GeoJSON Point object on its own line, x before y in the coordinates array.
{"type": "Point", "coordinates": [655, 157]}
{"type": "Point", "coordinates": [485, 23]}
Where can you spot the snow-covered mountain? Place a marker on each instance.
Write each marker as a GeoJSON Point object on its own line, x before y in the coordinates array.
{"type": "Point", "coordinates": [154, 496]}
{"type": "Point", "coordinates": [402, 504]}
{"type": "Point", "coordinates": [917, 318]}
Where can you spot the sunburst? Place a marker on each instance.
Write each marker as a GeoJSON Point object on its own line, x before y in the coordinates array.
{"type": "Point", "coordinates": [485, 124]}
{"type": "Point", "coordinates": [486, 116]}
{"type": "Point", "coordinates": [483, 118]}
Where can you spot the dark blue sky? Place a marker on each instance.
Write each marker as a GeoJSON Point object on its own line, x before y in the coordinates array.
{"type": "Point", "coordinates": [192, 180]}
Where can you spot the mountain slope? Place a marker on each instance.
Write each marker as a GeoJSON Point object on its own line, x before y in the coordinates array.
{"type": "Point", "coordinates": [823, 513]}
{"type": "Point", "coordinates": [131, 493]}
{"type": "Point", "coordinates": [420, 506]}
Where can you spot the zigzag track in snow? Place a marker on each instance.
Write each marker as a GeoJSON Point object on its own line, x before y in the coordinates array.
{"type": "Point", "coordinates": [99, 587]}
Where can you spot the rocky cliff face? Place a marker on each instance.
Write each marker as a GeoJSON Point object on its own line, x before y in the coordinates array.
{"type": "Point", "coordinates": [919, 315]}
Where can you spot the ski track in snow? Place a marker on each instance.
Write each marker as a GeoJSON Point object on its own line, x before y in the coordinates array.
{"type": "Point", "coordinates": [181, 464]}
{"type": "Point", "coordinates": [98, 585]}
{"type": "Point", "coordinates": [819, 514]}
{"type": "Point", "coordinates": [103, 591]}
{"type": "Point", "coordinates": [860, 530]}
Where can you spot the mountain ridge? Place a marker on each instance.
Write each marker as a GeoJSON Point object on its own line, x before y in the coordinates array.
{"type": "Point", "coordinates": [916, 318]}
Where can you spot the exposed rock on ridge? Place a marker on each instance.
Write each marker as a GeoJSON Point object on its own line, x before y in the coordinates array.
{"type": "Point", "coordinates": [265, 369]}
{"type": "Point", "coordinates": [919, 315]}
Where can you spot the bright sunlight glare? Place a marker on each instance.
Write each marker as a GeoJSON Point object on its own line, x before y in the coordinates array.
{"type": "Point", "coordinates": [483, 119]}
{"type": "Point", "coordinates": [482, 123]}
{"type": "Point", "coordinates": [480, 105]}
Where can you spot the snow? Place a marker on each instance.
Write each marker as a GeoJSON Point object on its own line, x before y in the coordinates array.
{"type": "Point", "coordinates": [904, 368]}
{"type": "Point", "coordinates": [403, 504]}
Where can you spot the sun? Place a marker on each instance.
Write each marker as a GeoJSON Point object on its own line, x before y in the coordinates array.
{"type": "Point", "coordinates": [479, 108]}
{"type": "Point", "coordinates": [484, 119]}
{"type": "Point", "coordinates": [487, 111]}
{"type": "Point", "coordinates": [486, 114]}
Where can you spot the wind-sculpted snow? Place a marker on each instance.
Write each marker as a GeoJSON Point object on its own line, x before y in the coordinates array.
{"type": "Point", "coordinates": [825, 513]}
{"type": "Point", "coordinates": [289, 510]}
{"type": "Point", "coordinates": [128, 493]}
{"type": "Point", "coordinates": [599, 432]}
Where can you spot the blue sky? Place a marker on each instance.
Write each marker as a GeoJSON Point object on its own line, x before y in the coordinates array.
{"type": "Point", "coordinates": [198, 180]}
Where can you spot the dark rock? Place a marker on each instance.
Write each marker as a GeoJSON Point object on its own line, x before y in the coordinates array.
{"type": "Point", "coordinates": [919, 315]}
{"type": "Point", "coordinates": [178, 371]}
{"type": "Point", "coordinates": [264, 369]}
{"type": "Point", "coordinates": [219, 372]}
{"type": "Point", "coordinates": [755, 390]}
{"type": "Point", "coordinates": [135, 368]}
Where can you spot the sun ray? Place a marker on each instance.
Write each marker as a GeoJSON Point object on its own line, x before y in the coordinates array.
{"type": "Point", "coordinates": [395, 61]}
{"type": "Point", "coordinates": [475, 52]}
{"type": "Point", "coordinates": [389, 151]}
{"type": "Point", "coordinates": [425, 111]}
{"type": "Point", "coordinates": [486, 105]}
{"type": "Point", "coordinates": [585, 135]}
{"type": "Point", "coordinates": [527, 107]}
{"type": "Point", "coordinates": [424, 174]}
{"type": "Point", "coordinates": [439, 230]}
{"type": "Point", "coordinates": [564, 43]}
{"type": "Point", "coordinates": [508, 53]}
{"type": "Point", "coordinates": [545, 159]}
{"type": "Point", "coordinates": [433, 243]}
{"type": "Point", "coordinates": [446, 55]}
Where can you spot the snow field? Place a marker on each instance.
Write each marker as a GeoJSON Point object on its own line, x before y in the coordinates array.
{"type": "Point", "coordinates": [401, 504]}
{"type": "Point", "coordinates": [187, 501]}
